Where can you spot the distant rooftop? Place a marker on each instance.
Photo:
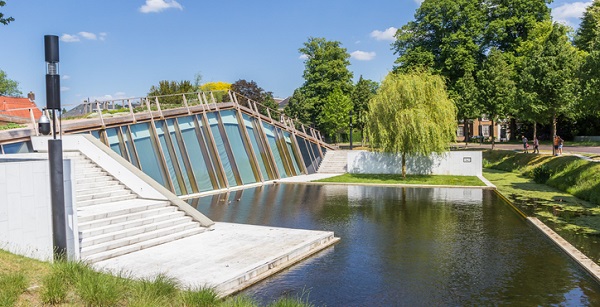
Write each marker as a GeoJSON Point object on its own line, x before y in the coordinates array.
{"type": "Point", "coordinates": [12, 108]}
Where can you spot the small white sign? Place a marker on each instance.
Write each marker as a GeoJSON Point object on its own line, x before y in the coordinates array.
{"type": "Point", "coordinates": [466, 159]}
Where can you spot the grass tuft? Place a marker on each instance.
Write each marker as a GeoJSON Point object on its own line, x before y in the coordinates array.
{"type": "Point", "coordinates": [158, 291]}
{"type": "Point", "coordinates": [410, 179]}
{"type": "Point", "coordinates": [239, 301]}
{"type": "Point", "coordinates": [12, 285]}
{"type": "Point", "coordinates": [203, 297]}
{"type": "Point", "coordinates": [98, 289]}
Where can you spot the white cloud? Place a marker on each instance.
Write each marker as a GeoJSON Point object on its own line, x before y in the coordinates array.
{"type": "Point", "coordinates": [102, 35]}
{"type": "Point", "coordinates": [569, 11]}
{"type": "Point", "coordinates": [88, 35]}
{"type": "Point", "coordinates": [303, 57]}
{"type": "Point", "coordinates": [68, 38]}
{"type": "Point", "coordinates": [362, 55]}
{"type": "Point", "coordinates": [66, 77]}
{"type": "Point", "coordinates": [419, 2]}
{"type": "Point", "coordinates": [64, 88]}
{"type": "Point", "coordinates": [387, 34]}
{"type": "Point", "coordinates": [155, 6]}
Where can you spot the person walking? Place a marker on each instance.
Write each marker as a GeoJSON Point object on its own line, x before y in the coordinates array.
{"type": "Point", "coordinates": [555, 142]}
{"type": "Point", "coordinates": [525, 145]}
{"type": "Point", "coordinates": [536, 145]}
{"type": "Point", "coordinates": [560, 144]}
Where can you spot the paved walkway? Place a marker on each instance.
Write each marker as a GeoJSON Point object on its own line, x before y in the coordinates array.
{"type": "Point", "coordinates": [545, 148]}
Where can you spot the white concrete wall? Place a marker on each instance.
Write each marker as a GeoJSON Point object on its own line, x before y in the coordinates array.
{"type": "Point", "coordinates": [26, 209]}
{"type": "Point", "coordinates": [461, 163]}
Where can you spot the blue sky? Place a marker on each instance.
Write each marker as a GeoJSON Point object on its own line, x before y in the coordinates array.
{"type": "Point", "coordinates": [114, 49]}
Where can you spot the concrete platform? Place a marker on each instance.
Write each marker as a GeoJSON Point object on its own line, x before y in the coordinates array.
{"type": "Point", "coordinates": [229, 258]}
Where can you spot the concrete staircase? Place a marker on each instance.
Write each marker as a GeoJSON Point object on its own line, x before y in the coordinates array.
{"type": "Point", "coordinates": [334, 162]}
{"type": "Point", "coordinates": [113, 221]}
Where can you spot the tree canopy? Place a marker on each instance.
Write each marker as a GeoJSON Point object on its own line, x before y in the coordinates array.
{"type": "Point", "coordinates": [411, 114]}
{"type": "Point", "coordinates": [8, 87]}
{"type": "Point", "coordinates": [256, 93]}
{"type": "Point", "coordinates": [5, 20]}
{"type": "Point", "coordinates": [325, 71]}
{"type": "Point", "coordinates": [589, 29]}
{"type": "Point", "coordinates": [364, 90]}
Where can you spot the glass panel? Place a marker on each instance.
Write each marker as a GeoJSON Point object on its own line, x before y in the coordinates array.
{"type": "Point", "coordinates": [96, 134]}
{"type": "Point", "coordinates": [270, 132]}
{"type": "Point", "coordinates": [147, 153]}
{"type": "Point", "coordinates": [184, 172]}
{"type": "Point", "coordinates": [236, 142]}
{"type": "Point", "coordinates": [315, 150]}
{"type": "Point", "coordinates": [288, 143]}
{"type": "Point", "coordinates": [259, 152]}
{"type": "Point", "coordinates": [129, 146]}
{"type": "Point", "coordinates": [214, 128]}
{"type": "Point", "coordinates": [21, 147]}
{"type": "Point", "coordinates": [171, 166]}
{"type": "Point", "coordinates": [192, 145]}
{"type": "Point", "coordinates": [306, 156]}
{"type": "Point", "coordinates": [113, 140]}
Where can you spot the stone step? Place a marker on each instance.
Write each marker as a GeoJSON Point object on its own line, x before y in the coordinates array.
{"type": "Point", "coordinates": [124, 218]}
{"type": "Point", "coordinates": [97, 212]}
{"type": "Point", "coordinates": [93, 179]}
{"type": "Point", "coordinates": [106, 200]}
{"type": "Point", "coordinates": [133, 232]}
{"type": "Point", "coordinates": [116, 223]}
{"type": "Point", "coordinates": [128, 241]}
{"type": "Point", "coordinates": [90, 173]}
{"type": "Point", "coordinates": [142, 245]}
{"type": "Point", "coordinates": [112, 191]}
{"type": "Point", "coordinates": [83, 187]}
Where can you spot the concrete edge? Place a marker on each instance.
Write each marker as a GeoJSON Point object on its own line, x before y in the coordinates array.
{"type": "Point", "coordinates": [283, 261]}
{"type": "Point", "coordinates": [586, 263]}
{"type": "Point", "coordinates": [392, 185]}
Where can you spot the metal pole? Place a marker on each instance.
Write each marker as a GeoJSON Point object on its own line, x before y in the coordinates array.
{"type": "Point", "coordinates": [350, 130]}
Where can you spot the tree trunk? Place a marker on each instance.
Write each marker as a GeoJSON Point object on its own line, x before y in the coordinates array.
{"type": "Point", "coordinates": [403, 165]}
{"type": "Point", "coordinates": [553, 133]}
{"type": "Point", "coordinates": [513, 129]}
{"type": "Point", "coordinates": [492, 128]}
{"type": "Point", "coordinates": [466, 131]}
{"type": "Point", "coordinates": [534, 130]}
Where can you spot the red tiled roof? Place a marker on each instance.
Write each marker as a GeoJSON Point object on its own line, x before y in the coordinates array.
{"type": "Point", "coordinates": [18, 107]}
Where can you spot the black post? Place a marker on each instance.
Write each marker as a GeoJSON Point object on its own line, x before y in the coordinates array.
{"type": "Point", "coordinates": [55, 155]}
{"type": "Point", "coordinates": [350, 129]}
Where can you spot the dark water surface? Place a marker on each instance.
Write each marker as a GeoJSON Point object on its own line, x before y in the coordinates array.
{"type": "Point", "coordinates": [409, 247]}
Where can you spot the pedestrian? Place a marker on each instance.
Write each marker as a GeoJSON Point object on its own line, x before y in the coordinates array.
{"type": "Point", "coordinates": [560, 144]}
{"type": "Point", "coordinates": [536, 145]}
{"type": "Point", "coordinates": [525, 145]}
{"type": "Point", "coordinates": [556, 142]}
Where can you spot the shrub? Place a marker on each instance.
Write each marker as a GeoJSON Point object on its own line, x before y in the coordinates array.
{"type": "Point", "coordinates": [542, 173]}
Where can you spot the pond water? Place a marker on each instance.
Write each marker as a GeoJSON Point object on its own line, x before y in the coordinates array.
{"type": "Point", "coordinates": [408, 247]}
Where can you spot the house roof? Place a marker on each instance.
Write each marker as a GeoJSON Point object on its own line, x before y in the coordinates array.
{"type": "Point", "coordinates": [282, 102]}
{"type": "Point", "coordinates": [18, 107]}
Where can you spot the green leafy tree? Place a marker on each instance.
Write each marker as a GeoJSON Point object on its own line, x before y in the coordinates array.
{"type": "Point", "coordinates": [5, 20]}
{"type": "Point", "coordinates": [297, 107]}
{"type": "Point", "coordinates": [170, 88]}
{"type": "Point", "coordinates": [252, 91]}
{"type": "Point", "coordinates": [496, 87]}
{"type": "Point", "coordinates": [326, 69]}
{"type": "Point", "coordinates": [364, 90]}
{"type": "Point", "coordinates": [8, 87]}
{"type": "Point", "coordinates": [587, 35]}
{"type": "Point", "coordinates": [411, 115]}
{"type": "Point", "coordinates": [549, 72]}
{"type": "Point", "coordinates": [334, 115]}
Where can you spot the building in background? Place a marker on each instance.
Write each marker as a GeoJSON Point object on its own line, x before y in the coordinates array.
{"type": "Point", "coordinates": [19, 110]}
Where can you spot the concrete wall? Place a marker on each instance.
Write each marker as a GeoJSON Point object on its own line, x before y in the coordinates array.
{"type": "Point", "coordinates": [25, 207]}
{"type": "Point", "coordinates": [462, 163]}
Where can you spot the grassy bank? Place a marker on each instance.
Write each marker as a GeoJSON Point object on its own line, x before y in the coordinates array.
{"type": "Point", "coordinates": [410, 179]}
{"type": "Point", "coordinates": [569, 174]}
{"type": "Point", "coordinates": [28, 282]}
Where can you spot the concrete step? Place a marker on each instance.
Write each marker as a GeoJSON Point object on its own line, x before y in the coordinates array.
{"type": "Point", "coordinates": [138, 238]}
{"type": "Point", "coordinates": [113, 191]}
{"type": "Point", "coordinates": [141, 245]}
{"type": "Point", "coordinates": [118, 223]}
{"type": "Point", "coordinates": [85, 180]}
{"type": "Point", "coordinates": [90, 173]}
{"type": "Point", "coordinates": [97, 212]}
{"type": "Point", "coordinates": [106, 200]}
{"type": "Point", "coordinates": [83, 187]}
{"type": "Point", "coordinates": [99, 224]}
{"type": "Point", "coordinates": [130, 233]}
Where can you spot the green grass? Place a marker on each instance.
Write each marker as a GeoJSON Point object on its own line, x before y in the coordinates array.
{"type": "Point", "coordinates": [410, 179]}
{"type": "Point", "coordinates": [28, 282]}
{"type": "Point", "coordinates": [11, 126]}
{"type": "Point", "coordinates": [569, 174]}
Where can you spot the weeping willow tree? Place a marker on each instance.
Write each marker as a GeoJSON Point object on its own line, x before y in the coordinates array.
{"type": "Point", "coordinates": [411, 115]}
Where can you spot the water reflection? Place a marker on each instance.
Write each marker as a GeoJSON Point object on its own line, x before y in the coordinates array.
{"type": "Point", "coordinates": [408, 246]}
